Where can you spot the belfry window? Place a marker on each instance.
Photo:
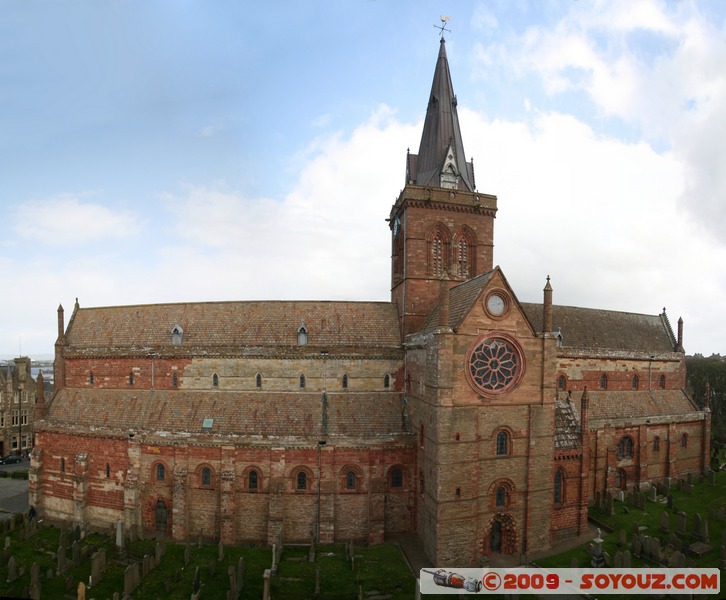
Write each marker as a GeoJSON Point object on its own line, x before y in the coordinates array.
{"type": "Point", "coordinates": [603, 382]}
{"type": "Point", "coordinates": [302, 382]}
{"type": "Point", "coordinates": [386, 381]}
{"type": "Point", "coordinates": [215, 380]}
{"type": "Point", "coordinates": [345, 381]}
{"type": "Point", "coordinates": [501, 496]}
{"type": "Point", "coordinates": [258, 380]}
{"type": "Point", "coordinates": [437, 255]}
{"type": "Point", "coordinates": [502, 443]}
{"type": "Point", "coordinates": [635, 382]}
{"type": "Point", "coordinates": [625, 447]}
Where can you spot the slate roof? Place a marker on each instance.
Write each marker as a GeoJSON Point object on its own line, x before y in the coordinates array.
{"type": "Point", "coordinates": [261, 414]}
{"type": "Point", "coordinates": [461, 298]}
{"type": "Point", "coordinates": [595, 329]}
{"type": "Point", "coordinates": [617, 405]}
{"type": "Point", "coordinates": [441, 129]}
{"type": "Point", "coordinates": [214, 325]}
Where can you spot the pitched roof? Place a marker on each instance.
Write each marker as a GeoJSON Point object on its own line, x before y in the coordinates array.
{"type": "Point", "coordinates": [256, 415]}
{"type": "Point", "coordinates": [461, 299]}
{"type": "Point", "coordinates": [441, 130]}
{"type": "Point", "coordinates": [567, 424]}
{"type": "Point", "coordinates": [595, 329]}
{"type": "Point", "coordinates": [615, 406]}
{"type": "Point", "coordinates": [216, 325]}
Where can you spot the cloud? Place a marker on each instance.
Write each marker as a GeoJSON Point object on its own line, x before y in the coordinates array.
{"type": "Point", "coordinates": [67, 220]}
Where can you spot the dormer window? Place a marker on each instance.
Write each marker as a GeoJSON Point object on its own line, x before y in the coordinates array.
{"type": "Point", "coordinates": [176, 335]}
{"type": "Point", "coordinates": [302, 335]}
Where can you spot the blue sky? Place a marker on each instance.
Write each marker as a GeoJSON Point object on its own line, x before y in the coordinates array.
{"type": "Point", "coordinates": [202, 151]}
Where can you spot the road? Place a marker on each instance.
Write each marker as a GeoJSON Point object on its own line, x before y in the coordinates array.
{"type": "Point", "coordinates": [13, 492]}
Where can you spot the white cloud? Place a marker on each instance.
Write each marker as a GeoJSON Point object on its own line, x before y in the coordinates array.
{"type": "Point", "coordinates": [67, 220]}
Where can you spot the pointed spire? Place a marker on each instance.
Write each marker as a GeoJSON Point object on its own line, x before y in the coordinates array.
{"type": "Point", "coordinates": [441, 161]}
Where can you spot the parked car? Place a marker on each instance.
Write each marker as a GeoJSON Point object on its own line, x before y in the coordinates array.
{"type": "Point", "coordinates": [10, 459]}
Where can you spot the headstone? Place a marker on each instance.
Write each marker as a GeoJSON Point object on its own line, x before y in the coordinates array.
{"type": "Point", "coordinates": [232, 575]}
{"type": "Point", "coordinates": [688, 488]}
{"type": "Point", "coordinates": [187, 555]}
{"type": "Point", "coordinates": [266, 585]}
{"type": "Point", "coordinates": [63, 540]}
{"type": "Point", "coordinates": [131, 578]}
{"type": "Point", "coordinates": [635, 528]}
{"type": "Point", "coordinates": [69, 584]}
{"type": "Point", "coordinates": [49, 574]}
{"type": "Point", "coordinates": [635, 545]}
{"type": "Point", "coordinates": [317, 581]}
{"type": "Point", "coordinates": [35, 581]}
{"type": "Point", "coordinates": [240, 573]}
{"type": "Point", "coordinates": [61, 559]}
{"type": "Point", "coordinates": [674, 540]}
{"type": "Point", "coordinates": [212, 569]}
{"type": "Point", "coordinates": [669, 500]}
{"type": "Point", "coordinates": [76, 552]}
{"type": "Point", "coordinates": [197, 580]}
{"type": "Point", "coordinates": [622, 538]}
{"type": "Point", "coordinates": [652, 495]}
{"type": "Point", "coordinates": [98, 565]}
{"type": "Point", "coordinates": [158, 553]}
{"type": "Point", "coordinates": [711, 477]}
{"type": "Point", "coordinates": [273, 570]}
{"type": "Point", "coordinates": [81, 591]}
{"type": "Point", "coordinates": [664, 522]}
{"type": "Point", "coordinates": [220, 553]}
{"type": "Point", "coordinates": [689, 478]}
{"type": "Point", "coordinates": [609, 505]}
{"type": "Point", "coordinates": [681, 528]}
{"type": "Point", "coordinates": [120, 539]}
{"type": "Point", "coordinates": [697, 526]}
{"type": "Point", "coordinates": [7, 542]}
{"type": "Point", "coordinates": [626, 559]}
{"type": "Point", "coordinates": [618, 560]}
{"type": "Point", "coordinates": [675, 559]}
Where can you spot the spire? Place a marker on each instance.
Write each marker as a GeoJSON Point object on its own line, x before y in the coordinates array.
{"type": "Point", "coordinates": [441, 161]}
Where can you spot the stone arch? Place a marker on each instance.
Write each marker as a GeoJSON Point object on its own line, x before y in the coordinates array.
{"type": "Point", "coordinates": [438, 241]}
{"type": "Point", "coordinates": [501, 535]}
{"type": "Point", "coordinates": [464, 248]}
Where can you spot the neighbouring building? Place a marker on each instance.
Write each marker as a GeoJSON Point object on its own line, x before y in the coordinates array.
{"type": "Point", "coordinates": [18, 393]}
{"type": "Point", "coordinates": [482, 423]}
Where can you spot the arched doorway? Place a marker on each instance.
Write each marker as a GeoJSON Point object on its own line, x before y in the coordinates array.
{"type": "Point", "coordinates": [502, 536]}
{"type": "Point", "coordinates": [161, 514]}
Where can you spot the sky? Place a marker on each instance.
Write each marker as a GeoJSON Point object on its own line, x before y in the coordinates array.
{"type": "Point", "coordinates": [181, 151]}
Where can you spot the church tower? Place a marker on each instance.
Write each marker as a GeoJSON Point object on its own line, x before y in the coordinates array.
{"type": "Point", "coordinates": [442, 228]}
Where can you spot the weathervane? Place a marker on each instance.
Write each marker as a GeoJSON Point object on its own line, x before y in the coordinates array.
{"type": "Point", "coordinates": [442, 27]}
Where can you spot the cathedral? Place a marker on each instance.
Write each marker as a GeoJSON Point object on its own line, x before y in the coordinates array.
{"type": "Point", "coordinates": [484, 424]}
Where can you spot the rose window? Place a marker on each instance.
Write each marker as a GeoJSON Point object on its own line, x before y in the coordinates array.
{"type": "Point", "coordinates": [495, 365]}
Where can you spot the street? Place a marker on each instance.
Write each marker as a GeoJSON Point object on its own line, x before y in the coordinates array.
{"type": "Point", "coordinates": [13, 492]}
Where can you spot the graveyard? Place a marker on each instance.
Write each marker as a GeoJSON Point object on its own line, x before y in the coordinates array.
{"type": "Point", "coordinates": [40, 561]}
{"type": "Point", "coordinates": [678, 523]}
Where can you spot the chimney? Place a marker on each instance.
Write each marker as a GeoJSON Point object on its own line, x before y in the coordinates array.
{"type": "Point", "coordinates": [547, 308]}
{"type": "Point", "coordinates": [61, 324]}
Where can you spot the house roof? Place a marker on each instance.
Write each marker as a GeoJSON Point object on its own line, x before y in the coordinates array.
{"type": "Point", "coordinates": [595, 329]}
{"type": "Point", "coordinates": [256, 415]}
{"type": "Point", "coordinates": [216, 325]}
{"type": "Point", "coordinates": [441, 131]}
{"type": "Point", "coordinates": [567, 424]}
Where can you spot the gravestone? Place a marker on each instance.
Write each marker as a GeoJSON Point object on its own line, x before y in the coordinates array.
{"type": "Point", "coordinates": [187, 555]}
{"type": "Point", "coordinates": [674, 540]}
{"type": "Point", "coordinates": [7, 542]}
{"type": "Point", "coordinates": [669, 501]}
{"type": "Point", "coordinates": [220, 553]}
{"type": "Point", "coordinates": [240, 573]}
{"type": "Point", "coordinates": [689, 478]}
{"type": "Point", "coordinates": [35, 581]}
{"type": "Point", "coordinates": [81, 591]}
{"type": "Point", "coordinates": [622, 538]}
{"type": "Point", "coordinates": [61, 559]}
{"type": "Point", "coordinates": [266, 585]}
{"type": "Point", "coordinates": [675, 559]}
{"type": "Point", "coordinates": [618, 560]}
{"type": "Point", "coordinates": [232, 575]}
{"type": "Point", "coordinates": [76, 552]}
{"type": "Point", "coordinates": [197, 580]}
{"type": "Point", "coordinates": [131, 578]}
{"type": "Point", "coordinates": [652, 495]}
{"type": "Point", "coordinates": [682, 520]}
{"type": "Point", "coordinates": [98, 565]}
{"type": "Point", "coordinates": [212, 569]}
{"type": "Point", "coordinates": [626, 559]}
{"type": "Point", "coordinates": [664, 522]}
{"type": "Point", "coordinates": [711, 477]}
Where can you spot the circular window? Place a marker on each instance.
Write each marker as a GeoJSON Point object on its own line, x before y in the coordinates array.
{"type": "Point", "coordinates": [495, 364]}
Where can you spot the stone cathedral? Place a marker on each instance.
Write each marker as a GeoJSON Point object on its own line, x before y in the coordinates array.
{"type": "Point", "coordinates": [482, 423]}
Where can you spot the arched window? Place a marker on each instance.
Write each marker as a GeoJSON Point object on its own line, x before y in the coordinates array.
{"type": "Point", "coordinates": [661, 382]}
{"type": "Point", "coordinates": [215, 380]}
{"type": "Point", "coordinates": [500, 499]}
{"type": "Point", "coordinates": [635, 382]}
{"type": "Point", "coordinates": [160, 472]}
{"type": "Point", "coordinates": [205, 477]}
{"type": "Point", "coordinates": [562, 382]}
{"type": "Point", "coordinates": [350, 480]}
{"type": "Point", "coordinates": [684, 440]}
{"type": "Point", "coordinates": [559, 486]}
{"type": "Point", "coordinates": [621, 479]}
{"type": "Point", "coordinates": [131, 378]}
{"type": "Point", "coordinates": [63, 465]}
{"type": "Point", "coordinates": [90, 378]}
{"type": "Point", "coordinates": [625, 447]}
{"type": "Point", "coordinates": [302, 381]}
{"type": "Point", "coordinates": [603, 383]}
{"type": "Point", "coordinates": [386, 381]}
{"type": "Point", "coordinates": [108, 470]}
{"type": "Point", "coordinates": [174, 380]}
{"type": "Point", "coordinates": [252, 480]}
{"type": "Point", "coordinates": [345, 381]}
{"type": "Point", "coordinates": [301, 481]}
{"type": "Point", "coordinates": [502, 443]}
{"type": "Point", "coordinates": [258, 380]}
{"type": "Point", "coordinates": [396, 477]}
{"type": "Point", "coordinates": [656, 444]}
